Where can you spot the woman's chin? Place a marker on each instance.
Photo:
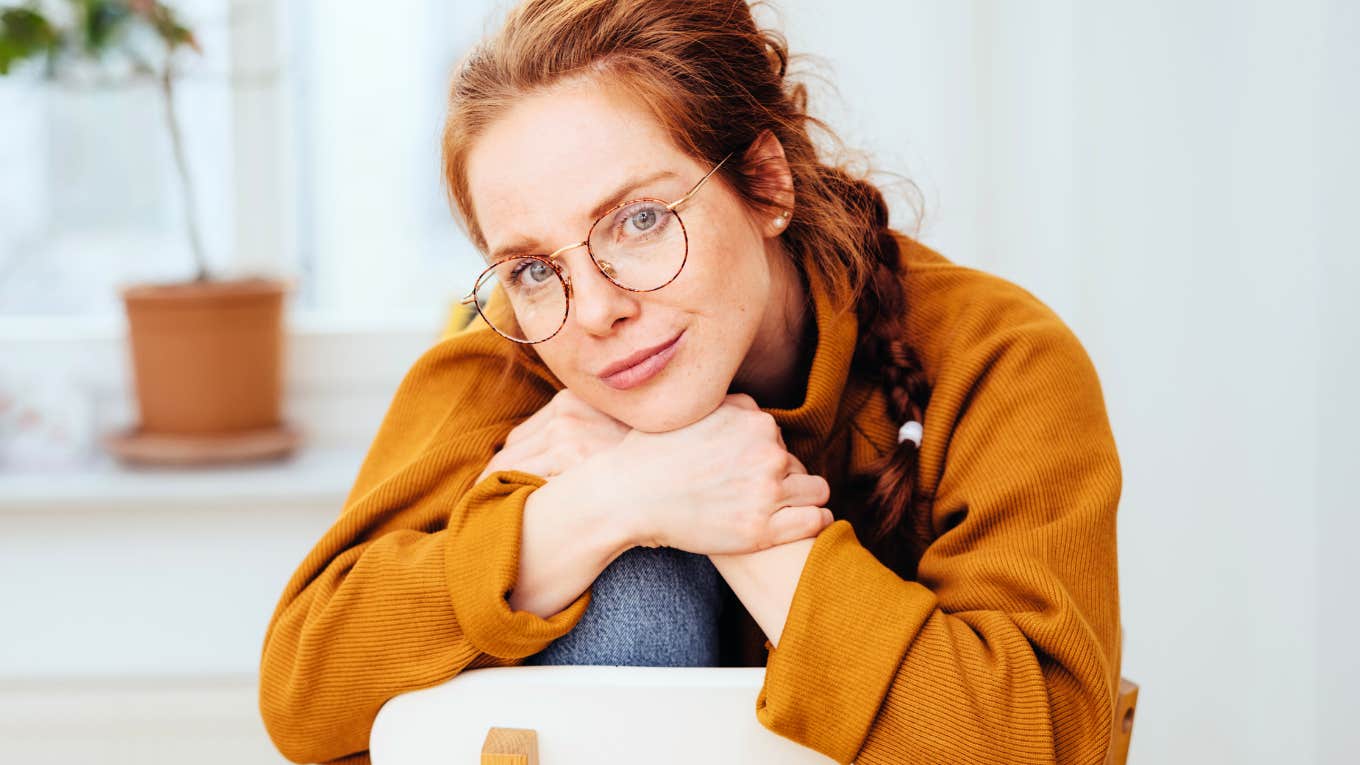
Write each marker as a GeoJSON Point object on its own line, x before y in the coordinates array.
{"type": "Point", "coordinates": [669, 413]}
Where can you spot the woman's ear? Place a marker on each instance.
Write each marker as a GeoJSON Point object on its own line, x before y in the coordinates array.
{"type": "Point", "coordinates": [770, 174]}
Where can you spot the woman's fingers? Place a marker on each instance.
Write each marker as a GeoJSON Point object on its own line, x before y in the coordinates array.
{"type": "Point", "coordinates": [529, 427]}
{"type": "Point", "coordinates": [742, 400]}
{"type": "Point", "coordinates": [528, 456]}
{"type": "Point", "coordinates": [561, 404]}
{"type": "Point", "coordinates": [789, 524]}
{"type": "Point", "coordinates": [582, 419]}
{"type": "Point", "coordinates": [804, 489]}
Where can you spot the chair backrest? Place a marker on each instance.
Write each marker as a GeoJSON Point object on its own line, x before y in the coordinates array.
{"type": "Point", "coordinates": [1123, 722]}
{"type": "Point", "coordinates": [591, 714]}
{"type": "Point", "coordinates": [1125, 700]}
{"type": "Point", "coordinates": [587, 714]}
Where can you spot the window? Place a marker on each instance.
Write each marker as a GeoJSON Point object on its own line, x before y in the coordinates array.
{"type": "Point", "coordinates": [88, 192]}
{"type": "Point", "coordinates": [368, 83]}
{"type": "Point", "coordinates": [312, 135]}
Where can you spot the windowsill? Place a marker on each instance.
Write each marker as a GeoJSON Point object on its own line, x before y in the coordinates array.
{"type": "Point", "coordinates": [310, 476]}
{"type": "Point", "coordinates": [298, 323]}
{"type": "Point", "coordinates": [74, 372]}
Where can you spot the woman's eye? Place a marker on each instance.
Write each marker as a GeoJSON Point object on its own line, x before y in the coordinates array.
{"type": "Point", "coordinates": [538, 272]}
{"type": "Point", "coordinates": [642, 220]}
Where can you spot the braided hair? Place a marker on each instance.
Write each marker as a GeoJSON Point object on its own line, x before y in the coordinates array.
{"type": "Point", "coordinates": [882, 354]}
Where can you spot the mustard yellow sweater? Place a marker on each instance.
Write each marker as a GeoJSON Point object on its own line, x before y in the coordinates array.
{"type": "Point", "coordinates": [1001, 643]}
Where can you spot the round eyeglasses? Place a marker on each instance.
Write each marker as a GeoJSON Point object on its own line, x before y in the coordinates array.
{"type": "Point", "coordinates": [639, 245]}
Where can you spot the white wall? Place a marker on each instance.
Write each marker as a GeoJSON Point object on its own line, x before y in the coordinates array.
{"type": "Point", "coordinates": [1335, 124]}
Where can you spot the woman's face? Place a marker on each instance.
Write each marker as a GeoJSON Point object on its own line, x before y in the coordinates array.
{"type": "Point", "coordinates": [534, 177]}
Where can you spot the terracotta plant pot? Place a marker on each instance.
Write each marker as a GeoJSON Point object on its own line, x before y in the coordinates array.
{"type": "Point", "coordinates": [207, 358]}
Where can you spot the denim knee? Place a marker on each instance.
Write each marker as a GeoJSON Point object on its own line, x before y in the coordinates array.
{"type": "Point", "coordinates": [651, 607]}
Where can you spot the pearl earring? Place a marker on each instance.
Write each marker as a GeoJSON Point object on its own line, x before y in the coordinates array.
{"type": "Point", "coordinates": [783, 218]}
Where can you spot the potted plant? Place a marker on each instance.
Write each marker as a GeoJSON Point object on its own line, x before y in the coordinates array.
{"type": "Point", "coordinates": [207, 352]}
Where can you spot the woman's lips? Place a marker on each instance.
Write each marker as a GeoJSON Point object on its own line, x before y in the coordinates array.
{"type": "Point", "coordinates": [644, 370]}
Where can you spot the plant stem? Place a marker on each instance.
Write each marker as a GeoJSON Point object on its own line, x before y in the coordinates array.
{"type": "Point", "coordinates": [182, 166]}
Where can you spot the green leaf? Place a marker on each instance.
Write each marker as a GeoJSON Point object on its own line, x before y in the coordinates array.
{"type": "Point", "coordinates": [23, 33]}
{"type": "Point", "coordinates": [168, 26]}
{"type": "Point", "coordinates": [104, 22]}
{"type": "Point", "coordinates": [99, 27]}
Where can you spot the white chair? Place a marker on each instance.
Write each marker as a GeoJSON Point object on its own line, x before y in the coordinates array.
{"type": "Point", "coordinates": [584, 714]}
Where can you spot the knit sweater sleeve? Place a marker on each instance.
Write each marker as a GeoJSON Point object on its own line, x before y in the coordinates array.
{"type": "Point", "coordinates": [1004, 649]}
{"type": "Point", "coordinates": [407, 587]}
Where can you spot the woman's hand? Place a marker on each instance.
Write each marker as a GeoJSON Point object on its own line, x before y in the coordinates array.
{"type": "Point", "coordinates": [559, 436]}
{"type": "Point", "coordinates": [722, 485]}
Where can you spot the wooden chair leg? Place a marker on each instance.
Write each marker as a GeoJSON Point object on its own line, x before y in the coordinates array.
{"type": "Point", "coordinates": [1123, 722]}
{"type": "Point", "coordinates": [510, 746]}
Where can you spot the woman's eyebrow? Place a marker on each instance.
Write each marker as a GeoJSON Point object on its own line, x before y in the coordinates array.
{"type": "Point", "coordinates": [524, 246]}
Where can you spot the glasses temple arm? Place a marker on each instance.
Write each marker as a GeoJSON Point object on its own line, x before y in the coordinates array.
{"type": "Point", "coordinates": [692, 191]}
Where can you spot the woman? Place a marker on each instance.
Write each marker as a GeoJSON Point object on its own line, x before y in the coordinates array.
{"type": "Point", "coordinates": [714, 410]}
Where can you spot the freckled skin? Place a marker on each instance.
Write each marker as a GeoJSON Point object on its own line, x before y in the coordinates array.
{"type": "Point", "coordinates": [538, 171]}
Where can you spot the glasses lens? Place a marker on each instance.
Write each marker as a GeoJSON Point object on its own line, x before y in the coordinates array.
{"type": "Point", "coordinates": [523, 298]}
{"type": "Point", "coordinates": [640, 246]}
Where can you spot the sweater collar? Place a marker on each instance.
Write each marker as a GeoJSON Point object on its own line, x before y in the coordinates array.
{"type": "Point", "coordinates": [807, 426]}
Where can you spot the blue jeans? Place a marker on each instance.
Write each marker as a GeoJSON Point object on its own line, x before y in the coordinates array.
{"type": "Point", "coordinates": [650, 607]}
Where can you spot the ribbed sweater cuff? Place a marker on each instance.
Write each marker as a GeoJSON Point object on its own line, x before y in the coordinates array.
{"type": "Point", "coordinates": [482, 564]}
{"type": "Point", "coordinates": [849, 626]}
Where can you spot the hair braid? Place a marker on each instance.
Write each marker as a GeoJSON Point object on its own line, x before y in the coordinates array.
{"type": "Point", "coordinates": [882, 354]}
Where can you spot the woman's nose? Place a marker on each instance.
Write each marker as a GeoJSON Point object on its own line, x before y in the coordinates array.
{"type": "Point", "coordinates": [597, 304]}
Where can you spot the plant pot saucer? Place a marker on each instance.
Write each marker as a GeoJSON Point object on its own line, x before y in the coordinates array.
{"type": "Point", "coordinates": [135, 445]}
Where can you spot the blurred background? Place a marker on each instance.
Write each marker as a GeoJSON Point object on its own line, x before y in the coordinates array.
{"type": "Point", "coordinates": [1176, 179]}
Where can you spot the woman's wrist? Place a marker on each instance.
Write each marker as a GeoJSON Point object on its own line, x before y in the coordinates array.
{"type": "Point", "coordinates": [553, 574]}
{"type": "Point", "coordinates": [611, 527]}
{"type": "Point", "coordinates": [765, 580]}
